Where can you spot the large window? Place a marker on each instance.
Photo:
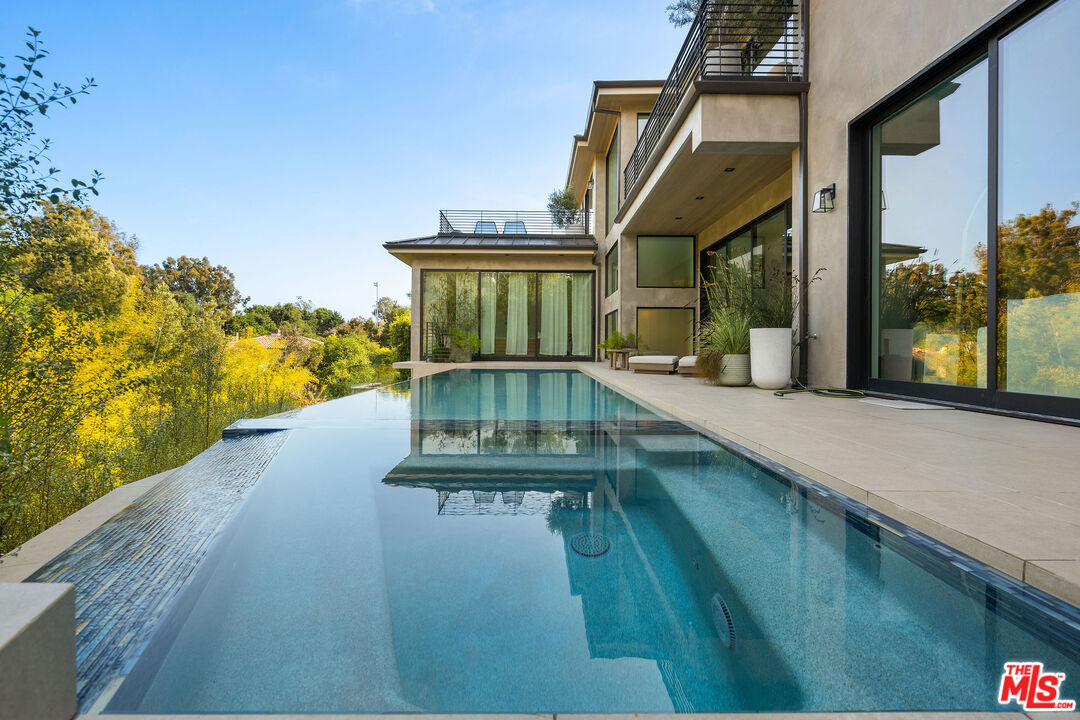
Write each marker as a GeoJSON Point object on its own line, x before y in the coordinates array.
{"type": "Point", "coordinates": [1038, 248]}
{"type": "Point", "coordinates": [665, 261]}
{"type": "Point", "coordinates": [611, 180]}
{"type": "Point", "coordinates": [611, 270]}
{"type": "Point", "coordinates": [666, 331]}
{"type": "Point", "coordinates": [972, 212]}
{"type": "Point", "coordinates": [930, 236]}
{"type": "Point", "coordinates": [513, 314]}
{"type": "Point", "coordinates": [611, 323]}
{"type": "Point", "coordinates": [449, 304]}
{"type": "Point", "coordinates": [762, 248]}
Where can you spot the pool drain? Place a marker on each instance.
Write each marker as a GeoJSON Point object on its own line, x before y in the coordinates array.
{"type": "Point", "coordinates": [590, 544]}
{"type": "Point", "coordinates": [725, 626]}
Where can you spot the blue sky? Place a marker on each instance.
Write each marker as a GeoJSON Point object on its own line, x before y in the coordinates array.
{"type": "Point", "coordinates": [288, 139]}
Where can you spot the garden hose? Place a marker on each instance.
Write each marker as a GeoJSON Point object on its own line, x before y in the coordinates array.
{"type": "Point", "coordinates": [829, 392]}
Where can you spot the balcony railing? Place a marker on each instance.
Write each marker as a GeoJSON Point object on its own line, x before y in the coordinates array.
{"type": "Point", "coordinates": [738, 41]}
{"type": "Point", "coordinates": [510, 222]}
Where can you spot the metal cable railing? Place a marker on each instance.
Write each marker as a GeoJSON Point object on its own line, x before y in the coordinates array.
{"type": "Point", "coordinates": [727, 41]}
{"type": "Point", "coordinates": [511, 222]}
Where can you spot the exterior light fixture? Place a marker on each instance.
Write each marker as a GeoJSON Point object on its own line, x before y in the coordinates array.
{"type": "Point", "coordinates": [678, 217]}
{"type": "Point", "coordinates": [700, 197]}
{"type": "Point", "coordinates": [823, 199]}
{"type": "Point", "coordinates": [730, 169]}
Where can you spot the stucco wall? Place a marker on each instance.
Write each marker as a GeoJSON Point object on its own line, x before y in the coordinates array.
{"type": "Point", "coordinates": [860, 51]}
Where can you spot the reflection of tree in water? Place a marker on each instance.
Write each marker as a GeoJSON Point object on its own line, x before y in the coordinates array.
{"type": "Point", "coordinates": [566, 513]}
{"type": "Point", "coordinates": [1038, 257]}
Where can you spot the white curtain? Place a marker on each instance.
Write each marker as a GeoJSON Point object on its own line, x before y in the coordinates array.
{"type": "Point", "coordinates": [553, 292]}
{"type": "Point", "coordinates": [553, 396]}
{"type": "Point", "coordinates": [517, 315]}
{"type": "Point", "coordinates": [488, 294]}
{"type": "Point", "coordinates": [487, 396]}
{"type": "Point", "coordinates": [581, 315]}
{"type": "Point", "coordinates": [517, 397]}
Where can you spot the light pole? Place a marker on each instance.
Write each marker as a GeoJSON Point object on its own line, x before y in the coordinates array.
{"type": "Point", "coordinates": [376, 297]}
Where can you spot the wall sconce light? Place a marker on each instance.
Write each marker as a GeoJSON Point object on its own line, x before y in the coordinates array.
{"type": "Point", "coordinates": [823, 199]}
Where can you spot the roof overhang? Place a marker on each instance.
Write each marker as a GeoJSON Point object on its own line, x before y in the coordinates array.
{"type": "Point", "coordinates": [608, 97]}
{"type": "Point", "coordinates": [406, 250]}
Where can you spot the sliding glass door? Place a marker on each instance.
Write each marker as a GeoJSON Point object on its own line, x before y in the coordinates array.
{"type": "Point", "coordinates": [507, 314]}
{"type": "Point", "coordinates": [514, 315]}
{"type": "Point", "coordinates": [972, 207]}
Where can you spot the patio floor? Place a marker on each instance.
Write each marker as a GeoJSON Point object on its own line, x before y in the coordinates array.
{"type": "Point", "coordinates": [1005, 491]}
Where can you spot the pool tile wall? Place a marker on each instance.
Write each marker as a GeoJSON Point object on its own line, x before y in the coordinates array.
{"type": "Point", "coordinates": [128, 571]}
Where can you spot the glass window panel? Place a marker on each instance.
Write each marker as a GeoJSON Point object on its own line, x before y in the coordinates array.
{"type": "Point", "coordinates": [666, 331]}
{"type": "Point", "coordinates": [581, 314]}
{"type": "Point", "coordinates": [1039, 234]}
{"type": "Point", "coordinates": [508, 299]}
{"type": "Point", "coordinates": [771, 258]}
{"type": "Point", "coordinates": [450, 301]}
{"type": "Point", "coordinates": [612, 180]}
{"type": "Point", "coordinates": [665, 261]}
{"type": "Point", "coordinates": [554, 313]}
{"type": "Point", "coordinates": [611, 323]}
{"type": "Point", "coordinates": [642, 121]}
{"type": "Point", "coordinates": [929, 232]}
{"type": "Point", "coordinates": [611, 269]}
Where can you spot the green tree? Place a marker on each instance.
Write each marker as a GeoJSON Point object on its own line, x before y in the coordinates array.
{"type": "Point", "coordinates": [325, 320]}
{"type": "Point", "coordinates": [399, 336]}
{"type": "Point", "coordinates": [348, 360]}
{"type": "Point", "coordinates": [77, 257]}
{"type": "Point", "coordinates": [210, 286]}
{"type": "Point", "coordinates": [25, 176]}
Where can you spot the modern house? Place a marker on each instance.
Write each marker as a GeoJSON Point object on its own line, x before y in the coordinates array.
{"type": "Point", "coordinates": [922, 154]}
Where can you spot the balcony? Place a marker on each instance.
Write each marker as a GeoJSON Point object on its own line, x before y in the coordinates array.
{"type": "Point", "coordinates": [511, 223]}
{"type": "Point", "coordinates": [735, 47]}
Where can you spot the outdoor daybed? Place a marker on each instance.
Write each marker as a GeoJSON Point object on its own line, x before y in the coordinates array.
{"type": "Point", "coordinates": [661, 364]}
{"type": "Point", "coordinates": [688, 366]}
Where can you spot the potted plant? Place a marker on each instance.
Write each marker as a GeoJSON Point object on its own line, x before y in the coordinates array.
{"type": "Point", "coordinates": [724, 349]}
{"type": "Point", "coordinates": [775, 306]}
{"type": "Point", "coordinates": [617, 341]}
{"type": "Point", "coordinates": [723, 338]}
{"type": "Point", "coordinates": [463, 345]}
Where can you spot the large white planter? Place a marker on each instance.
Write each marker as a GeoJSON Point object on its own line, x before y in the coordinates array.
{"type": "Point", "coordinates": [770, 357]}
{"type": "Point", "coordinates": [734, 371]}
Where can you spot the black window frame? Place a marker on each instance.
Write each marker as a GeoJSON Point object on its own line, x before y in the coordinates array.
{"type": "Point", "coordinates": [613, 252]}
{"type": "Point", "coordinates": [535, 356]}
{"type": "Point", "coordinates": [610, 209]}
{"type": "Point", "coordinates": [984, 42]}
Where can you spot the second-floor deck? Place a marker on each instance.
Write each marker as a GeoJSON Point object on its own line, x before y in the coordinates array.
{"type": "Point", "coordinates": [750, 46]}
{"type": "Point", "coordinates": [515, 223]}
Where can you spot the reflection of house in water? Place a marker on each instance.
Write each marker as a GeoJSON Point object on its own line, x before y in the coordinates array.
{"type": "Point", "coordinates": [639, 599]}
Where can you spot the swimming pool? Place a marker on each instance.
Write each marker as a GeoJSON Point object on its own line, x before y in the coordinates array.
{"type": "Point", "coordinates": [532, 541]}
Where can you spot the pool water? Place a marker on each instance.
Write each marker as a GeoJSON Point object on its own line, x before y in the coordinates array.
{"type": "Point", "coordinates": [414, 551]}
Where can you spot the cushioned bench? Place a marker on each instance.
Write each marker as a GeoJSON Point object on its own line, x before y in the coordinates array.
{"type": "Point", "coordinates": [688, 366]}
{"type": "Point", "coordinates": [662, 364]}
